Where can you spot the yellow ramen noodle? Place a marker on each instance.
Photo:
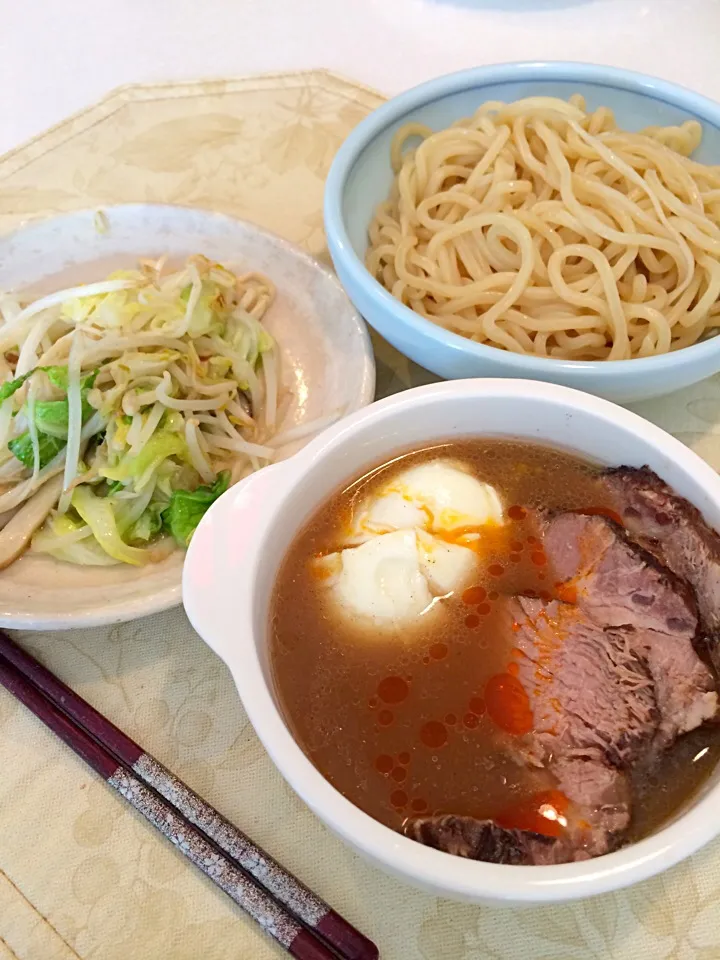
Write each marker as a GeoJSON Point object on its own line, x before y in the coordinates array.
{"type": "Point", "coordinates": [540, 228]}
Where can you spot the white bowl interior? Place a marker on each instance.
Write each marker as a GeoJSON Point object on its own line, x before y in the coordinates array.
{"type": "Point", "coordinates": [326, 359]}
{"type": "Point", "coordinates": [228, 587]}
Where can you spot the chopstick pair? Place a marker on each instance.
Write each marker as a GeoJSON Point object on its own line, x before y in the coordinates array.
{"type": "Point", "coordinates": [303, 924]}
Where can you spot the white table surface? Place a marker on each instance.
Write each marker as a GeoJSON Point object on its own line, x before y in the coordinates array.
{"type": "Point", "coordinates": [58, 57]}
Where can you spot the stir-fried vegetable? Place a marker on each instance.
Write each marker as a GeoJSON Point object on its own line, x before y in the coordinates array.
{"type": "Point", "coordinates": [12, 386]}
{"type": "Point", "coordinates": [187, 507]}
{"type": "Point", "coordinates": [149, 392]}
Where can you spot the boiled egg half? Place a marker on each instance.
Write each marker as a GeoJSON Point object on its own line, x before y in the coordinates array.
{"type": "Point", "coordinates": [411, 542]}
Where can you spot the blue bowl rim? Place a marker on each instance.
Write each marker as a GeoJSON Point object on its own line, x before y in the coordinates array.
{"type": "Point", "coordinates": [617, 78]}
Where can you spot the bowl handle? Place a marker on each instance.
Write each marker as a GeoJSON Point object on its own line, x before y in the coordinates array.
{"type": "Point", "coordinates": [229, 539]}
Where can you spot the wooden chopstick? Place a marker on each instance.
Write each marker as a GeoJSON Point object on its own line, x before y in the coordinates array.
{"type": "Point", "coordinates": [138, 776]}
{"type": "Point", "coordinates": [287, 889]}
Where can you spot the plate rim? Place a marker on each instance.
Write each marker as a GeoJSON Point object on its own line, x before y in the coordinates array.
{"type": "Point", "coordinates": [171, 596]}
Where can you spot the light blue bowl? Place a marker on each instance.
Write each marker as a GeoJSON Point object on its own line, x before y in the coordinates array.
{"type": "Point", "coordinates": [361, 176]}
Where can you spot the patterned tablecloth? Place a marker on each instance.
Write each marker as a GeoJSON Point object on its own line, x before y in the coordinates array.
{"type": "Point", "coordinates": [80, 875]}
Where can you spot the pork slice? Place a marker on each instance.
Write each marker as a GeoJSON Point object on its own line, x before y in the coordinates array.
{"type": "Point", "coordinates": [674, 530]}
{"type": "Point", "coordinates": [616, 581]}
{"type": "Point", "coordinates": [591, 825]}
{"type": "Point", "coordinates": [593, 712]}
{"type": "Point", "coordinates": [619, 584]}
{"type": "Point", "coordinates": [591, 697]}
{"type": "Point", "coordinates": [485, 840]}
{"type": "Point", "coordinates": [685, 689]}
{"type": "Point", "coordinates": [600, 794]}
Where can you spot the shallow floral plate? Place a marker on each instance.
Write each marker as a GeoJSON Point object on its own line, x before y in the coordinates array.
{"type": "Point", "coordinates": [326, 358]}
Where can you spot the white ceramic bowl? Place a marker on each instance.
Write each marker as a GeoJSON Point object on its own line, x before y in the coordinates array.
{"type": "Point", "coordinates": [361, 176]}
{"type": "Point", "coordinates": [235, 553]}
{"type": "Point", "coordinates": [326, 359]}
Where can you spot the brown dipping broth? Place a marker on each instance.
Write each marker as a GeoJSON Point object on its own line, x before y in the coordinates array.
{"type": "Point", "coordinates": [404, 722]}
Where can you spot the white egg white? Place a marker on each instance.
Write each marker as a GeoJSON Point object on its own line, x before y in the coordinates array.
{"type": "Point", "coordinates": [399, 555]}
{"type": "Point", "coordinates": [383, 579]}
{"type": "Point", "coordinates": [439, 497]}
{"type": "Point", "coordinates": [445, 566]}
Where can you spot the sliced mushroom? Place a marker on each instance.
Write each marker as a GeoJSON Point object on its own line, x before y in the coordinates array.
{"type": "Point", "coordinates": [15, 536]}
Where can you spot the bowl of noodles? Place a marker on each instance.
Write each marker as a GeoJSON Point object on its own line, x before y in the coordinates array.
{"type": "Point", "coordinates": [553, 221]}
{"type": "Point", "coordinates": [151, 356]}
